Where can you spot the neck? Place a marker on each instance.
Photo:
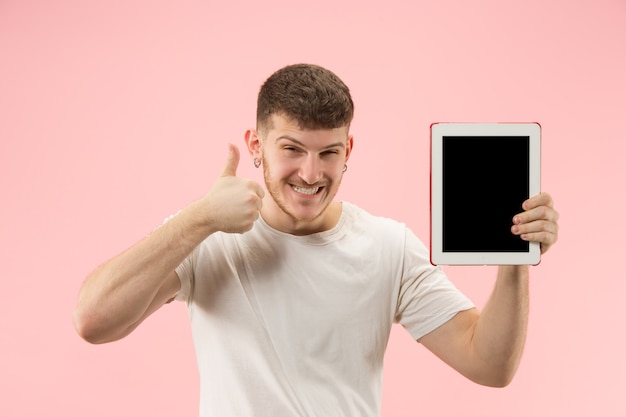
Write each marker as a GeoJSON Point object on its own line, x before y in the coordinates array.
{"type": "Point", "coordinates": [278, 219]}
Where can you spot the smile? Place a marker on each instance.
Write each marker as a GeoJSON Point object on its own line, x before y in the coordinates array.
{"type": "Point", "coordinates": [308, 191]}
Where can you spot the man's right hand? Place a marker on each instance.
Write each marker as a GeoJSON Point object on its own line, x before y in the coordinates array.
{"type": "Point", "coordinates": [233, 203]}
{"type": "Point", "coordinates": [122, 292]}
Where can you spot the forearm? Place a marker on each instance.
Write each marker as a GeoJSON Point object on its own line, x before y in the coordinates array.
{"type": "Point", "coordinates": [500, 332]}
{"type": "Point", "coordinates": [118, 293]}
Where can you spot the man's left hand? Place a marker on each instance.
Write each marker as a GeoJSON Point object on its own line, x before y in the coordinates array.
{"type": "Point", "coordinates": [538, 222]}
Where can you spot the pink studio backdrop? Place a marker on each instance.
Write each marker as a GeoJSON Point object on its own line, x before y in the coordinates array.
{"type": "Point", "coordinates": [115, 114]}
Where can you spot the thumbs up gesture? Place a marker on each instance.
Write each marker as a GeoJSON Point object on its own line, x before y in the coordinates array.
{"type": "Point", "coordinates": [233, 203]}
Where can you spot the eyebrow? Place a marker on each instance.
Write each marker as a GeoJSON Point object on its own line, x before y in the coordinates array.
{"type": "Point", "coordinates": [297, 142]}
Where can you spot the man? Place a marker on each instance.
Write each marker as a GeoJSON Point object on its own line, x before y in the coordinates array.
{"type": "Point", "coordinates": [292, 295]}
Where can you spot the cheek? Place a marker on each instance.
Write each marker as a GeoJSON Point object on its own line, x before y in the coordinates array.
{"type": "Point", "coordinates": [278, 169]}
{"type": "Point", "coordinates": [335, 170]}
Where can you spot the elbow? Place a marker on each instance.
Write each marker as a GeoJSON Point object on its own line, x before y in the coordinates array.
{"type": "Point", "coordinates": [501, 381]}
{"type": "Point", "coordinates": [497, 377]}
{"type": "Point", "coordinates": [88, 327]}
{"type": "Point", "coordinates": [84, 327]}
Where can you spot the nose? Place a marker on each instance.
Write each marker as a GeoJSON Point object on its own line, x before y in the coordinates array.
{"type": "Point", "coordinates": [311, 169]}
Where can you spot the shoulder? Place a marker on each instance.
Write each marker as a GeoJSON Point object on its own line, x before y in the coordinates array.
{"type": "Point", "coordinates": [384, 230]}
{"type": "Point", "coordinates": [384, 233]}
{"type": "Point", "coordinates": [365, 221]}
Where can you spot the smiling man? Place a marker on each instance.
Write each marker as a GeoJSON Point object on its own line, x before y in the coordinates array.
{"type": "Point", "coordinates": [302, 171]}
{"type": "Point", "coordinates": [291, 294]}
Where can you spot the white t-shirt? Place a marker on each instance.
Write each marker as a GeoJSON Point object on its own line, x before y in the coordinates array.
{"type": "Point", "coordinates": [289, 325]}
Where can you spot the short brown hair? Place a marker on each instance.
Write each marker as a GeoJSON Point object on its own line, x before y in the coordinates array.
{"type": "Point", "coordinates": [312, 96]}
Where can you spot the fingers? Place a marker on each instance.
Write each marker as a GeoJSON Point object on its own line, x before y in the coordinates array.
{"type": "Point", "coordinates": [539, 221]}
{"type": "Point", "coordinates": [261, 194]}
{"type": "Point", "coordinates": [232, 162]}
{"type": "Point", "coordinates": [230, 170]}
{"type": "Point", "coordinates": [233, 203]}
{"type": "Point", "coordinates": [541, 199]}
{"type": "Point", "coordinates": [536, 230]}
{"type": "Point", "coordinates": [539, 207]}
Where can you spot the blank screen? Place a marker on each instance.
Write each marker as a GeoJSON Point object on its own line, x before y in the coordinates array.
{"type": "Point", "coordinates": [485, 182]}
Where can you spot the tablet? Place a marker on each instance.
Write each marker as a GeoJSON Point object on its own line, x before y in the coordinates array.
{"type": "Point", "coordinates": [480, 176]}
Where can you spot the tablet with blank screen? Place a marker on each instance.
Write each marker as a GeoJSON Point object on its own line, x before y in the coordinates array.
{"type": "Point", "coordinates": [480, 176]}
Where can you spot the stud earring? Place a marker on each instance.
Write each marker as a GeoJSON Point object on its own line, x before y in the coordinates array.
{"type": "Point", "coordinates": [257, 162]}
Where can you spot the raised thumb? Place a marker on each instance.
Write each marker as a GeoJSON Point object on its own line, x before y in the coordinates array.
{"type": "Point", "coordinates": [232, 161]}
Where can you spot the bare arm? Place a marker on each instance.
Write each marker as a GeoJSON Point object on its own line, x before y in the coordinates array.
{"type": "Point", "coordinates": [486, 347]}
{"type": "Point", "coordinates": [121, 293]}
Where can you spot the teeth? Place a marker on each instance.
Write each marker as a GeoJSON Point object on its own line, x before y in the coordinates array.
{"type": "Point", "coordinates": [309, 191]}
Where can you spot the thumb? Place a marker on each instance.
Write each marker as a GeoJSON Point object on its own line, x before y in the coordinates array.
{"type": "Point", "coordinates": [232, 161]}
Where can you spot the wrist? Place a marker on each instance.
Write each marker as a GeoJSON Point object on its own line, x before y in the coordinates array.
{"type": "Point", "coordinates": [514, 271]}
{"type": "Point", "coordinates": [198, 221]}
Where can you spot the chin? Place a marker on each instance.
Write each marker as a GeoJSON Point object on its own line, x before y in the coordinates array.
{"type": "Point", "coordinates": [306, 212]}
{"type": "Point", "coordinates": [305, 216]}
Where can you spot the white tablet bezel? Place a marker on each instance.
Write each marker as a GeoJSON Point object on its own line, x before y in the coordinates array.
{"type": "Point", "coordinates": [438, 131]}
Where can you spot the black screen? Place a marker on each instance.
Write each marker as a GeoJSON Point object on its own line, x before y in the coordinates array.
{"type": "Point", "coordinates": [485, 182]}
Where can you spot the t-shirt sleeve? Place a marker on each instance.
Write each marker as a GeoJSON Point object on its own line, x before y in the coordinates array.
{"type": "Point", "coordinates": [185, 272]}
{"type": "Point", "coordinates": [427, 298]}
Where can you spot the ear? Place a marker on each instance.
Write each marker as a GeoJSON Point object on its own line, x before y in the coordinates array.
{"type": "Point", "coordinates": [349, 145]}
{"type": "Point", "coordinates": [254, 144]}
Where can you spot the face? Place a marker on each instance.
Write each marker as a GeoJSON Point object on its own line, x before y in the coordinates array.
{"type": "Point", "coordinates": [302, 171]}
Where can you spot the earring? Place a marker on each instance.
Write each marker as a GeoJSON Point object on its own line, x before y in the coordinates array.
{"type": "Point", "coordinates": [345, 168]}
{"type": "Point", "coordinates": [257, 162]}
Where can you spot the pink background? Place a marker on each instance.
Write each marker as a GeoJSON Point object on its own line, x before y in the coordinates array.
{"type": "Point", "coordinates": [115, 114]}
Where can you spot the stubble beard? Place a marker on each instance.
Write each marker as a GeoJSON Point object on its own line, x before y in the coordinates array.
{"type": "Point", "coordinates": [274, 190]}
